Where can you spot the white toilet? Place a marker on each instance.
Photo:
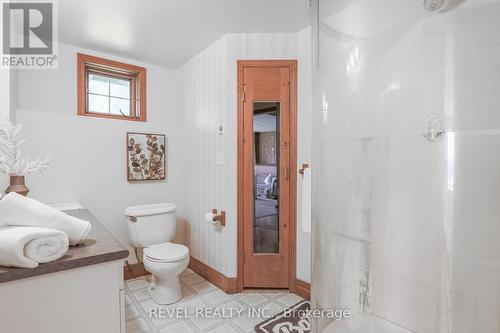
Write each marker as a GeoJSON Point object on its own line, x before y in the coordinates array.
{"type": "Point", "coordinates": [152, 227]}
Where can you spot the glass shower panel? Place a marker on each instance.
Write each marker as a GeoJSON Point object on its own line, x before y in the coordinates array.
{"type": "Point", "coordinates": [406, 156]}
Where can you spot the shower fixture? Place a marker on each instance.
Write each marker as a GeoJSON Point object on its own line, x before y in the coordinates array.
{"type": "Point", "coordinates": [433, 128]}
{"type": "Point", "coordinates": [433, 5]}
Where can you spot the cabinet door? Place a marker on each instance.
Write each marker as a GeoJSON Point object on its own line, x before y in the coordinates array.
{"type": "Point", "coordinates": [78, 301]}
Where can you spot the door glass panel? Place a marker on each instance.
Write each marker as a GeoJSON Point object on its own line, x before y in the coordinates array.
{"type": "Point", "coordinates": [266, 177]}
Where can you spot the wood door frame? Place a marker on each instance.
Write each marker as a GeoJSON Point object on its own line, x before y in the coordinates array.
{"type": "Point", "coordinates": [292, 65]}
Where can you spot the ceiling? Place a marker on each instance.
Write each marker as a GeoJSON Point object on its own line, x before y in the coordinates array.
{"type": "Point", "coordinates": [170, 32]}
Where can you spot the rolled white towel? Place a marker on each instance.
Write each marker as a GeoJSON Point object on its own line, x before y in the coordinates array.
{"type": "Point", "coordinates": [29, 246]}
{"type": "Point", "coordinates": [18, 210]}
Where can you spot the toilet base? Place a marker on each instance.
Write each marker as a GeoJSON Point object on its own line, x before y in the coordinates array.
{"type": "Point", "coordinates": [166, 290]}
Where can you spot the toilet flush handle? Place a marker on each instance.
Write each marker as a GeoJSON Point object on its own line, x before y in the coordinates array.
{"type": "Point", "coordinates": [132, 219]}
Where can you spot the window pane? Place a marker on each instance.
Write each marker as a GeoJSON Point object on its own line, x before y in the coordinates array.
{"type": "Point", "coordinates": [99, 104]}
{"type": "Point", "coordinates": [267, 219]}
{"type": "Point", "coordinates": [119, 104]}
{"type": "Point", "coordinates": [98, 84]}
{"type": "Point", "coordinates": [120, 88]}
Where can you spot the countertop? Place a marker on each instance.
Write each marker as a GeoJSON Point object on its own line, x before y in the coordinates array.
{"type": "Point", "coordinates": [99, 247]}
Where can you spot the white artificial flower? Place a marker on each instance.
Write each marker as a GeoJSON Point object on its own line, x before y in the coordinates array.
{"type": "Point", "coordinates": [12, 163]}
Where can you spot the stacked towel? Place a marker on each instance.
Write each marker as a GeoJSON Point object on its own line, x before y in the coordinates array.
{"type": "Point", "coordinates": [29, 246]}
{"type": "Point", "coordinates": [17, 210]}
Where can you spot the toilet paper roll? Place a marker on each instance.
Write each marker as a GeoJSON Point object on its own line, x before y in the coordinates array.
{"type": "Point", "coordinates": [209, 217]}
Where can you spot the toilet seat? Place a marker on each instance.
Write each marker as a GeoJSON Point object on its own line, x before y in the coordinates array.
{"type": "Point", "coordinates": [166, 252]}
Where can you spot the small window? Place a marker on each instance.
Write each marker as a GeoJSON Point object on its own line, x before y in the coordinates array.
{"type": "Point", "coordinates": [111, 89]}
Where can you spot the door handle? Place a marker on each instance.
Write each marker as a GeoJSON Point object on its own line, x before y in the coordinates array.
{"type": "Point", "coordinates": [287, 174]}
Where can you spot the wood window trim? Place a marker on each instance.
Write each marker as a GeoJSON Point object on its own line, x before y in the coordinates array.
{"type": "Point", "coordinates": [116, 69]}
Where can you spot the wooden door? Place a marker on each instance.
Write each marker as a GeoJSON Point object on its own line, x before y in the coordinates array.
{"type": "Point", "coordinates": [265, 173]}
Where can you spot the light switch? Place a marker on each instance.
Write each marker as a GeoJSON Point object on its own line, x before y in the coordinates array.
{"type": "Point", "coordinates": [219, 159]}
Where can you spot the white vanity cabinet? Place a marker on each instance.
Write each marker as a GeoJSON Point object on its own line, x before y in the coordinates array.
{"type": "Point", "coordinates": [86, 299]}
{"type": "Point", "coordinates": [81, 292]}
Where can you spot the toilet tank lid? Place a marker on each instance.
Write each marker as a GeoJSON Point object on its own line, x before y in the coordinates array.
{"type": "Point", "coordinates": [153, 209]}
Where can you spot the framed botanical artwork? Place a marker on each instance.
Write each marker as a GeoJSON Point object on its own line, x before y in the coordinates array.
{"type": "Point", "coordinates": [146, 156]}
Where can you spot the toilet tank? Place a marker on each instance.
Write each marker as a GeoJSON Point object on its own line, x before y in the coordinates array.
{"type": "Point", "coordinates": [150, 224]}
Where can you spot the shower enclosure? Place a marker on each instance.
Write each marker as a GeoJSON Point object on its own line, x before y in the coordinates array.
{"type": "Point", "coordinates": [406, 161]}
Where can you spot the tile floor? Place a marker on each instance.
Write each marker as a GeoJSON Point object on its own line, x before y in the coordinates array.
{"type": "Point", "coordinates": [199, 293]}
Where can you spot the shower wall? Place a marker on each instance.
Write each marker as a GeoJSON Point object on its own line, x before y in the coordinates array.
{"type": "Point", "coordinates": [406, 160]}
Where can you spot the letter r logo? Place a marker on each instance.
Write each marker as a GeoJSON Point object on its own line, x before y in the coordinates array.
{"type": "Point", "coordinates": [27, 28]}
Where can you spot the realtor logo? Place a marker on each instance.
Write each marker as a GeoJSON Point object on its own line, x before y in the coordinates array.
{"type": "Point", "coordinates": [28, 35]}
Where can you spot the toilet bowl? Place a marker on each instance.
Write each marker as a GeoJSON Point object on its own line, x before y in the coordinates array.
{"type": "Point", "coordinates": [152, 227]}
{"type": "Point", "coordinates": [166, 261]}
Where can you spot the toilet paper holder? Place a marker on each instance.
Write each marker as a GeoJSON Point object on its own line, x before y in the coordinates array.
{"type": "Point", "coordinates": [219, 217]}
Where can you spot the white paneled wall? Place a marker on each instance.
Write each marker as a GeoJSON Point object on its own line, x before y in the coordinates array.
{"type": "Point", "coordinates": [208, 98]}
{"type": "Point", "coordinates": [304, 133]}
{"type": "Point", "coordinates": [271, 46]}
{"type": "Point", "coordinates": [205, 100]}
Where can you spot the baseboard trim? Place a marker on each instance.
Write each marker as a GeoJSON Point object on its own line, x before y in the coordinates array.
{"type": "Point", "coordinates": [133, 271]}
{"type": "Point", "coordinates": [229, 285]}
{"type": "Point", "coordinates": [303, 289]}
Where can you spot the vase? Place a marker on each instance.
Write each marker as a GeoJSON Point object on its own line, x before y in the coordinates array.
{"type": "Point", "coordinates": [17, 185]}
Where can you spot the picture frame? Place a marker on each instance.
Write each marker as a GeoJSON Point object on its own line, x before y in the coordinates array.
{"type": "Point", "coordinates": [146, 157]}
